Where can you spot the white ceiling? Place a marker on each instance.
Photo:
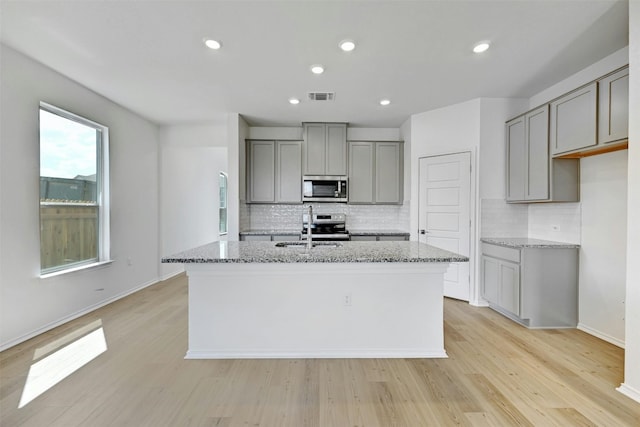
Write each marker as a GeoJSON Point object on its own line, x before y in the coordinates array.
{"type": "Point", "coordinates": [149, 57]}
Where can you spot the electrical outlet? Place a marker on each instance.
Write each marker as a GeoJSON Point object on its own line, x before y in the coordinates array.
{"type": "Point", "coordinates": [346, 300]}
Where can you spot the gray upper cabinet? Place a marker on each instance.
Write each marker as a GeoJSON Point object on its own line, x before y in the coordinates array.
{"type": "Point", "coordinates": [361, 172]}
{"type": "Point", "coordinates": [375, 172]}
{"type": "Point", "coordinates": [516, 159]}
{"type": "Point", "coordinates": [325, 148]}
{"type": "Point", "coordinates": [288, 176]}
{"type": "Point", "coordinates": [613, 107]}
{"type": "Point", "coordinates": [532, 176]}
{"type": "Point", "coordinates": [261, 157]}
{"type": "Point", "coordinates": [573, 120]}
{"type": "Point", "coordinates": [537, 135]}
{"type": "Point", "coordinates": [389, 172]}
{"type": "Point", "coordinates": [528, 156]}
{"type": "Point", "coordinates": [274, 171]}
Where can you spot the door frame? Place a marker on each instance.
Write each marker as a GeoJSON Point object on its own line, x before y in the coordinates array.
{"type": "Point", "coordinates": [474, 215]}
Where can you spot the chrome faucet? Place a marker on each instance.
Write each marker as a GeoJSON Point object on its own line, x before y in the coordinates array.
{"type": "Point", "coordinates": [309, 233]}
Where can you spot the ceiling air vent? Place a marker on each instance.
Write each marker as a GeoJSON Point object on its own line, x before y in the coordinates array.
{"type": "Point", "coordinates": [321, 96]}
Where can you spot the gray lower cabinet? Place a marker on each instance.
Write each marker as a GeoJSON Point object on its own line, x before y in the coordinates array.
{"type": "Point", "coordinates": [325, 148]}
{"type": "Point", "coordinates": [375, 172]}
{"type": "Point", "coordinates": [378, 237]}
{"type": "Point", "coordinates": [574, 120]}
{"type": "Point", "coordinates": [613, 107]}
{"type": "Point", "coordinates": [274, 171]}
{"type": "Point", "coordinates": [537, 287]}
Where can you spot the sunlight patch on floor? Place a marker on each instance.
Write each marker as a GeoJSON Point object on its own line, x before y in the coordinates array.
{"type": "Point", "coordinates": [57, 366]}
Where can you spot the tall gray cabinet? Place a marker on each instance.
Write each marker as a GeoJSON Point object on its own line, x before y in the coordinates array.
{"type": "Point", "coordinates": [532, 176]}
{"type": "Point", "coordinates": [274, 171]}
{"type": "Point", "coordinates": [375, 172]}
{"type": "Point", "coordinates": [325, 148]}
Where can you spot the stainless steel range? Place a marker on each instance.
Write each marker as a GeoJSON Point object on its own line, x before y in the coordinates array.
{"type": "Point", "coordinates": [325, 227]}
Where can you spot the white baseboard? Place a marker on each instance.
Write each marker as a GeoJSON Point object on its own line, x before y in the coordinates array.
{"type": "Point", "coordinates": [629, 391]}
{"type": "Point", "coordinates": [605, 337]}
{"type": "Point", "coordinates": [316, 354]}
{"type": "Point", "coordinates": [172, 275]}
{"type": "Point", "coordinates": [74, 316]}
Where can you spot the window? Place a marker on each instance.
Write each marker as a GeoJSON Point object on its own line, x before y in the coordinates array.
{"type": "Point", "coordinates": [74, 222]}
{"type": "Point", "coordinates": [222, 183]}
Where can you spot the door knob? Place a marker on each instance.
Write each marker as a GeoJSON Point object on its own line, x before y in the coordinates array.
{"type": "Point", "coordinates": [423, 231]}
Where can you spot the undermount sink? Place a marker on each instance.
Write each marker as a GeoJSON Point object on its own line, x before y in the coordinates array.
{"type": "Point", "coordinates": [304, 244]}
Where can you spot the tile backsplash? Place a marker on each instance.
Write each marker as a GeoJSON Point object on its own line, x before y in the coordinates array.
{"type": "Point", "coordinates": [556, 221]}
{"type": "Point", "coordinates": [501, 219]}
{"type": "Point", "coordinates": [359, 217]}
{"type": "Point", "coordinates": [548, 221]}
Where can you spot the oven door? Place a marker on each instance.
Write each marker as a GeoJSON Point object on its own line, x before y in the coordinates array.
{"type": "Point", "coordinates": [337, 237]}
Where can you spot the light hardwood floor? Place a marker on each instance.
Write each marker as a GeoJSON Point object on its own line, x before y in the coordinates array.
{"type": "Point", "coordinates": [497, 374]}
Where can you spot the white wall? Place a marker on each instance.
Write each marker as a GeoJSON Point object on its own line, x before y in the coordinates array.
{"type": "Point", "coordinates": [476, 126]}
{"type": "Point", "coordinates": [631, 385]}
{"type": "Point", "coordinates": [450, 129]}
{"type": "Point", "coordinates": [30, 305]}
{"type": "Point", "coordinates": [603, 190]}
{"type": "Point", "coordinates": [191, 157]}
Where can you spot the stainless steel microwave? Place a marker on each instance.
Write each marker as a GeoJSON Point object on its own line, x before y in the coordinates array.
{"type": "Point", "coordinates": [324, 188]}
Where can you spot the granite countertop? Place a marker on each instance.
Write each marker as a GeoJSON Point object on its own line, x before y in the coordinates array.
{"type": "Point", "coordinates": [267, 252]}
{"type": "Point", "coordinates": [257, 232]}
{"type": "Point", "coordinates": [525, 242]}
{"type": "Point", "coordinates": [270, 232]}
{"type": "Point", "coordinates": [378, 232]}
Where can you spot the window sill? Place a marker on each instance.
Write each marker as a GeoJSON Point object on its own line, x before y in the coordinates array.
{"type": "Point", "coordinates": [77, 268]}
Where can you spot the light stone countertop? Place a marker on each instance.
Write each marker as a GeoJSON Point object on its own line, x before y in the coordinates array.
{"type": "Point", "coordinates": [371, 232]}
{"type": "Point", "coordinates": [258, 232]}
{"type": "Point", "coordinates": [525, 242]}
{"type": "Point", "coordinates": [378, 232]}
{"type": "Point", "coordinates": [347, 252]}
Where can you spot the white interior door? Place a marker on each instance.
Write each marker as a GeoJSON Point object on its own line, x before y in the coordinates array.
{"type": "Point", "coordinates": [444, 213]}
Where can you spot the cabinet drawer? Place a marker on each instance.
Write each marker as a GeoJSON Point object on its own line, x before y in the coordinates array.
{"type": "Point", "coordinates": [509, 254]}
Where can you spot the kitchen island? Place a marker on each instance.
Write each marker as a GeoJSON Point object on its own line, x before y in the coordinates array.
{"type": "Point", "coordinates": [356, 299]}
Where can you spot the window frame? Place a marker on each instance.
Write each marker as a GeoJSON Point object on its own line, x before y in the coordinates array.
{"type": "Point", "coordinates": [102, 194]}
{"type": "Point", "coordinates": [223, 176]}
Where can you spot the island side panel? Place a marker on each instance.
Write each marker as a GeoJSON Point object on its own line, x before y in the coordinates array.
{"type": "Point", "coordinates": [316, 310]}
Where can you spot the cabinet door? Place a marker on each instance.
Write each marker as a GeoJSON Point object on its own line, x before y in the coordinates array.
{"type": "Point", "coordinates": [289, 172]}
{"type": "Point", "coordinates": [314, 149]}
{"type": "Point", "coordinates": [388, 173]}
{"type": "Point", "coordinates": [573, 120]}
{"type": "Point", "coordinates": [336, 149]}
{"type": "Point", "coordinates": [490, 279]}
{"type": "Point", "coordinates": [509, 287]}
{"type": "Point", "coordinates": [261, 171]}
{"type": "Point", "coordinates": [537, 132]}
{"type": "Point", "coordinates": [361, 172]}
{"type": "Point", "coordinates": [613, 108]}
{"type": "Point", "coordinates": [516, 159]}
{"type": "Point", "coordinates": [392, 238]}
{"type": "Point", "coordinates": [363, 238]}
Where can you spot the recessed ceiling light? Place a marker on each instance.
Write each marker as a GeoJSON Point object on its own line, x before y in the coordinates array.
{"type": "Point", "coordinates": [385, 102]}
{"type": "Point", "coordinates": [212, 44]}
{"type": "Point", "coordinates": [294, 101]}
{"type": "Point", "coordinates": [347, 45]}
{"type": "Point", "coordinates": [481, 47]}
{"type": "Point", "coordinates": [317, 69]}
